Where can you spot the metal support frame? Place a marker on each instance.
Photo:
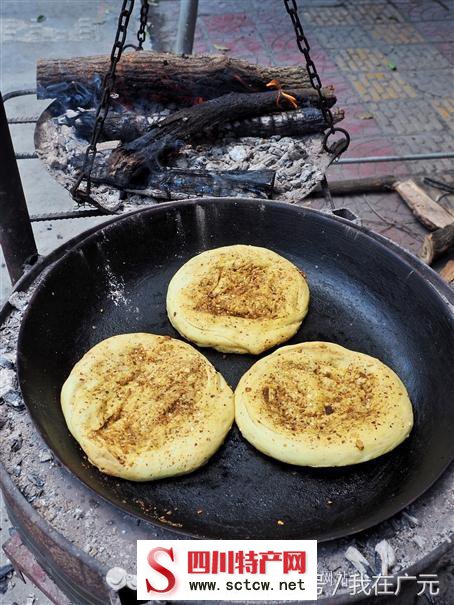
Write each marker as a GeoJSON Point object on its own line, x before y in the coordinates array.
{"type": "Point", "coordinates": [16, 234]}
{"type": "Point", "coordinates": [186, 26]}
{"type": "Point", "coordinates": [25, 564]}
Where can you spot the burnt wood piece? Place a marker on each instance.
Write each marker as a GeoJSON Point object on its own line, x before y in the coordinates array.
{"type": "Point", "coordinates": [437, 243]}
{"type": "Point", "coordinates": [166, 77]}
{"type": "Point", "coordinates": [296, 123]}
{"type": "Point", "coordinates": [170, 183]}
{"type": "Point", "coordinates": [176, 182]}
{"type": "Point", "coordinates": [118, 126]}
{"type": "Point", "coordinates": [128, 125]}
{"type": "Point", "coordinates": [131, 163]}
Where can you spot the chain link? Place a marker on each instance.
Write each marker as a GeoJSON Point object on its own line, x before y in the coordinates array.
{"type": "Point", "coordinates": [142, 33]}
{"type": "Point", "coordinates": [80, 195]}
{"type": "Point", "coordinates": [338, 147]}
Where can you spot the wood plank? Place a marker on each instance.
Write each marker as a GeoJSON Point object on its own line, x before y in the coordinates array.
{"type": "Point", "coordinates": [426, 210]}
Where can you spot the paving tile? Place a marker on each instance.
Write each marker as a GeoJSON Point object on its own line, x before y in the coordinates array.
{"type": "Point", "coordinates": [379, 86]}
{"type": "Point", "coordinates": [445, 108]}
{"type": "Point", "coordinates": [437, 31]}
{"type": "Point", "coordinates": [345, 91]}
{"type": "Point", "coordinates": [431, 82]}
{"type": "Point", "coordinates": [350, 36]}
{"type": "Point", "coordinates": [20, 30]}
{"type": "Point", "coordinates": [417, 116]}
{"type": "Point", "coordinates": [395, 33]}
{"type": "Point", "coordinates": [220, 7]}
{"type": "Point", "coordinates": [286, 52]}
{"type": "Point", "coordinates": [425, 10]}
{"type": "Point", "coordinates": [377, 12]}
{"type": "Point", "coordinates": [416, 56]}
{"type": "Point", "coordinates": [447, 50]}
{"type": "Point", "coordinates": [328, 15]}
{"type": "Point", "coordinates": [359, 121]}
{"type": "Point", "coordinates": [441, 141]}
{"type": "Point", "coordinates": [360, 59]}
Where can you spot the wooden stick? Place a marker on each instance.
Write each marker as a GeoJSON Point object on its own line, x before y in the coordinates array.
{"type": "Point", "coordinates": [165, 76]}
{"type": "Point", "coordinates": [447, 272]}
{"type": "Point", "coordinates": [437, 243]}
{"type": "Point", "coordinates": [426, 210]}
{"type": "Point", "coordinates": [370, 184]}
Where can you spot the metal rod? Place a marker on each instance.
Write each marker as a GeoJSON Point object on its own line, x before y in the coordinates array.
{"type": "Point", "coordinates": [16, 235]}
{"type": "Point", "coordinates": [26, 155]}
{"type": "Point", "coordinates": [19, 93]}
{"type": "Point", "coordinates": [23, 120]}
{"type": "Point", "coordinates": [186, 26]}
{"type": "Point", "coordinates": [71, 214]}
{"type": "Point", "coordinates": [436, 155]}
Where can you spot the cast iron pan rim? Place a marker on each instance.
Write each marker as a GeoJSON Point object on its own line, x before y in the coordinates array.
{"type": "Point", "coordinates": [390, 246]}
{"type": "Point", "coordinates": [399, 253]}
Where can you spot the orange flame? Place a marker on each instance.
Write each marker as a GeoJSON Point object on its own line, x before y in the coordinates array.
{"type": "Point", "coordinates": [281, 94]}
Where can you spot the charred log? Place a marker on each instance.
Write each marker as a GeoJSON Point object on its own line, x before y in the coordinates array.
{"type": "Point", "coordinates": [295, 123]}
{"type": "Point", "coordinates": [170, 183]}
{"type": "Point", "coordinates": [127, 126]}
{"type": "Point", "coordinates": [130, 164]}
{"type": "Point", "coordinates": [176, 182]}
{"type": "Point", "coordinates": [166, 77]}
{"type": "Point", "coordinates": [122, 126]}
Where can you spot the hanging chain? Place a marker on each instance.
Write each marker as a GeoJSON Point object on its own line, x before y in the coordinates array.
{"type": "Point", "coordinates": [339, 146]}
{"type": "Point", "coordinates": [80, 195]}
{"type": "Point", "coordinates": [142, 33]}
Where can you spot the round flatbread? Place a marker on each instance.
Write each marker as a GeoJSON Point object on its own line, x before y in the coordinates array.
{"type": "Point", "coordinates": [144, 407]}
{"type": "Point", "coordinates": [319, 404]}
{"type": "Point", "coordinates": [238, 299]}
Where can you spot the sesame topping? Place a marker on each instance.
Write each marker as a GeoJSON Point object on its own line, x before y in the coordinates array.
{"type": "Point", "coordinates": [243, 288]}
{"type": "Point", "coordinates": [144, 396]}
{"type": "Point", "coordinates": [321, 398]}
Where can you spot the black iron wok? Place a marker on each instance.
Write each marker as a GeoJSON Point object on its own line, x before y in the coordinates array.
{"type": "Point", "coordinates": [365, 296]}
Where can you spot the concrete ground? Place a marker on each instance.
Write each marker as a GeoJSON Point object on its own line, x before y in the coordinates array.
{"type": "Point", "coordinates": [390, 61]}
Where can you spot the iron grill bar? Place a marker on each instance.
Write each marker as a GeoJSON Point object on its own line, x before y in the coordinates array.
{"type": "Point", "coordinates": [414, 157]}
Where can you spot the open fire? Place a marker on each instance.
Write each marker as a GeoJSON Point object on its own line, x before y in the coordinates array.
{"type": "Point", "coordinates": [185, 126]}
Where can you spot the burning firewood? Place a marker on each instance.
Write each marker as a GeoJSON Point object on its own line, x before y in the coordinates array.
{"type": "Point", "coordinates": [131, 163]}
{"type": "Point", "coordinates": [128, 125]}
{"type": "Point", "coordinates": [216, 98]}
{"type": "Point", "coordinates": [166, 77]}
